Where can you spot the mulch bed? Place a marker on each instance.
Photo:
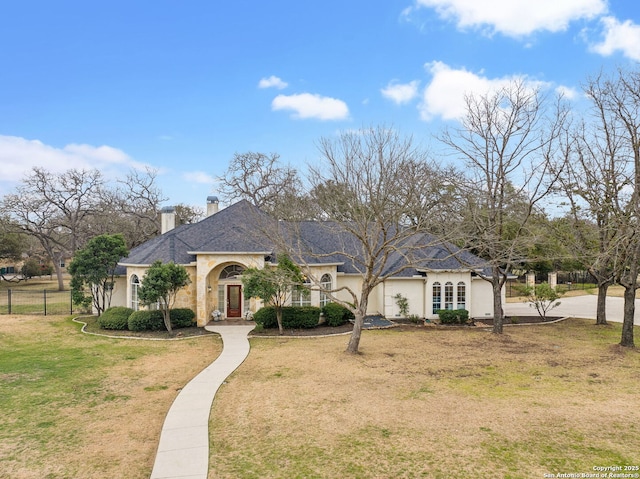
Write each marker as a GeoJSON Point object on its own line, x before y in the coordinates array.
{"type": "Point", "coordinates": [399, 325]}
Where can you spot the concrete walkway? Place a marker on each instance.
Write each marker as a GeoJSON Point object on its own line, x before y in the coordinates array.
{"type": "Point", "coordinates": [183, 451]}
{"type": "Point", "coordinates": [578, 307]}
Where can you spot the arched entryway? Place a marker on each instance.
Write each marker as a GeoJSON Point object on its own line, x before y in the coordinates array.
{"type": "Point", "coordinates": [225, 288]}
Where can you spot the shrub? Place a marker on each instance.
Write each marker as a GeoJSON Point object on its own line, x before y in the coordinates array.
{"type": "Point", "coordinates": [182, 318]}
{"type": "Point", "coordinates": [266, 317]}
{"type": "Point", "coordinates": [153, 320]}
{"type": "Point", "coordinates": [403, 304]}
{"type": "Point", "coordinates": [116, 317]}
{"type": "Point", "coordinates": [146, 321]}
{"type": "Point", "coordinates": [336, 315]}
{"type": "Point", "coordinates": [414, 318]}
{"type": "Point", "coordinates": [293, 317]}
{"type": "Point", "coordinates": [300, 317]}
{"type": "Point", "coordinates": [453, 316]}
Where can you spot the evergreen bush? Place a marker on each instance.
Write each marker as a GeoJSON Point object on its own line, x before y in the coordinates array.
{"type": "Point", "coordinates": [336, 315]}
{"type": "Point", "coordinates": [453, 316]}
{"type": "Point", "coordinates": [182, 318]}
{"type": "Point", "coordinates": [154, 321]}
{"type": "Point", "coordinates": [116, 317]}
{"type": "Point", "coordinates": [266, 317]}
{"type": "Point", "coordinates": [293, 317]}
{"type": "Point", "coordinates": [146, 321]}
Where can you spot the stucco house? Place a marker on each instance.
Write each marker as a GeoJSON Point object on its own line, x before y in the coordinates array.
{"type": "Point", "coordinates": [216, 250]}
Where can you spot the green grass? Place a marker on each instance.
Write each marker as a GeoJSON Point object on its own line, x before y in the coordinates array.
{"type": "Point", "coordinates": [44, 374]}
{"type": "Point", "coordinates": [80, 406]}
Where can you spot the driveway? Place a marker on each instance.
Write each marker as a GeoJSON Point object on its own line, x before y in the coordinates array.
{"type": "Point", "coordinates": [578, 307]}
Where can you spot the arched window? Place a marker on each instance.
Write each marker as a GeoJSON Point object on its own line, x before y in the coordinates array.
{"type": "Point", "coordinates": [437, 297]}
{"type": "Point", "coordinates": [231, 271]}
{"type": "Point", "coordinates": [135, 284]}
{"type": "Point", "coordinates": [462, 295]}
{"type": "Point", "coordinates": [325, 284]}
{"type": "Point", "coordinates": [448, 295]}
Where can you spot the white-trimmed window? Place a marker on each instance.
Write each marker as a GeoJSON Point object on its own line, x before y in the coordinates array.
{"type": "Point", "coordinates": [448, 295]}
{"type": "Point", "coordinates": [462, 295]}
{"type": "Point", "coordinates": [301, 297]}
{"type": "Point", "coordinates": [437, 297]}
{"type": "Point", "coordinates": [231, 271]}
{"type": "Point", "coordinates": [325, 284]}
{"type": "Point", "coordinates": [135, 285]}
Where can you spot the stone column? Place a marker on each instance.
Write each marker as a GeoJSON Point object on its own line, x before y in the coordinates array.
{"type": "Point", "coordinates": [531, 280]}
{"type": "Point", "coordinates": [553, 279]}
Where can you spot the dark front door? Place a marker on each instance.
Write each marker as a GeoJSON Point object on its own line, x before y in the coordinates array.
{"type": "Point", "coordinates": [234, 301]}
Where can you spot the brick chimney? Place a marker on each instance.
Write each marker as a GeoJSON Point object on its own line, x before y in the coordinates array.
{"type": "Point", "coordinates": [167, 219]}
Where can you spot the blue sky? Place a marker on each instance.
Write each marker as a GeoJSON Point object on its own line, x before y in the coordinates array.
{"type": "Point", "coordinates": [182, 86]}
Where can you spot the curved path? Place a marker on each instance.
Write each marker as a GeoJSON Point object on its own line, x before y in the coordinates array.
{"type": "Point", "coordinates": [183, 451]}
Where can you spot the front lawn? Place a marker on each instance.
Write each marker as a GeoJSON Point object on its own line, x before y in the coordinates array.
{"type": "Point", "coordinates": [81, 406]}
{"type": "Point", "coordinates": [431, 403]}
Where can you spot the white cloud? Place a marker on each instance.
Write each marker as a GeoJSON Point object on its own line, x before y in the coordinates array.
{"type": "Point", "coordinates": [619, 36]}
{"type": "Point", "coordinates": [199, 177]}
{"type": "Point", "coordinates": [272, 82]}
{"type": "Point", "coordinates": [307, 105]}
{"type": "Point", "coordinates": [515, 18]}
{"type": "Point", "coordinates": [18, 156]}
{"type": "Point", "coordinates": [445, 95]}
{"type": "Point", "coordinates": [567, 92]}
{"type": "Point", "coordinates": [401, 93]}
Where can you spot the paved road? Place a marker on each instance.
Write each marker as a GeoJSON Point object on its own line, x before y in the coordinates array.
{"type": "Point", "coordinates": [578, 307]}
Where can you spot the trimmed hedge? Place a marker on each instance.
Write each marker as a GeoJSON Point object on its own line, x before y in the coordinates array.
{"type": "Point", "coordinates": [293, 317]}
{"type": "Point", "coordinates": [182, 318]}
{"type": "Point", "coordinates": [453, 316]}
{"type": "Point", "coordinates": [146, 321]}
{"type": "Point", "coordinates": [266, 317]}
{"type": "Point", "coordinates": [153, 320]}
{"type": "Point", "coordinates": [115, 318]}
{"type": "Point", "coordinates": [336, 315]}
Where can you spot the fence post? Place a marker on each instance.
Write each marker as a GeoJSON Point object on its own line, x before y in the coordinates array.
{"type": "Point", "coordinates": [70, 302]}
{"type": "Point", "coordinates": [9, 299]}
{"type": "Point", "coordinates": [45, 301]}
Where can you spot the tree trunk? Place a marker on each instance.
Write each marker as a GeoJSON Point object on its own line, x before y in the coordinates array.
{"type": "Point", "coordinates": [354, 341]}
{"type": "Point", "coordinates": [498, 313]}
{"type": "Point", "coordinates": [166, 315]}
{"type": "Point", "coordinates": [601, 311]}
{"type": "Point", "coordinates": [629, 313]}
{"type": "Point", "coordinates": [279, 320]}
{"type": "Point", "coordinates": [58, 269]}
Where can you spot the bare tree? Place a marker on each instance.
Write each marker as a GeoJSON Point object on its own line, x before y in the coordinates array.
{"type": "Point", "coordinates": [53, 208]}
{"type": "Point", "coordinates": [620, 98]}
{"type": "Point", "coordinates": [596, 181]}
{"type": "Point", "coordinates": [63, 211]}
{"type": "Point", "coordinates": [264, 182]}
{"type": "Point", "coordinates": [187, 214]}
{"type": "Point", "coordinates": [355, 193]}
{"type": "Point", "coordinates": [506, 141]}
{"type": "Point", "coordinates": [130, 207]}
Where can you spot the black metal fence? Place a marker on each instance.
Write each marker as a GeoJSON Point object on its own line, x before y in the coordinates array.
{"type": "Point", "coordinates": [15, 301]}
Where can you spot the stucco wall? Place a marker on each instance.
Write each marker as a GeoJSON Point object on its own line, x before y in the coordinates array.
{"type": "Point", "coordinates": [410, 288]}
{"type": "Point", "coordinates": [482, 291]}
{"type": "Point", "coordinates": [202, 294]}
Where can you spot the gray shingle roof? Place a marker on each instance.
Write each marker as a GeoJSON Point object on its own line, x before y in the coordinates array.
{"type": "Point", "coordinates": [229, 230]}
{"type": "Point", "coordinates": [235, 229]}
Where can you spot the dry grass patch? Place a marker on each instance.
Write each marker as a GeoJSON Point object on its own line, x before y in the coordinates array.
{"type": "Point", "coordinates": [431, 403]}
{"type": "Point", "coordinates": [80, 406]}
